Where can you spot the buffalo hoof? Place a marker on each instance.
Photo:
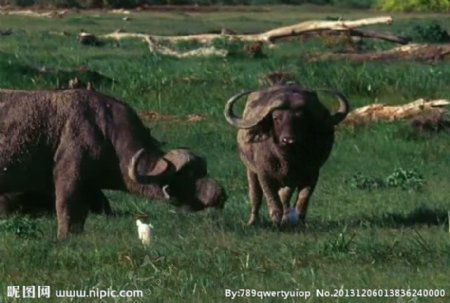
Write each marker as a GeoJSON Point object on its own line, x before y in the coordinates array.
{"type": "Point", "coordinates": [275, 216]}
{"type": "Point", "coordinates": [252, 220]}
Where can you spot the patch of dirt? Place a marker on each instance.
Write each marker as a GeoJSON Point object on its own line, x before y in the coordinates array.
{"type": "Point", "coordinates": [195, 118]}
{"type": "Point", "coordinates": [155, 116]}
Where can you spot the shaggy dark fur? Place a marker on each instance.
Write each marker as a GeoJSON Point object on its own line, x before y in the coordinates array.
{"type": "Point", "coordinates": [283, 150]}
{"type": "Point", "coordinates": [70, 144]}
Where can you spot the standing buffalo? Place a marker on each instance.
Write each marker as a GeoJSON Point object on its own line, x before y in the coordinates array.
{"type": "Point", "coordinates": [284, 137]}
{"type": "Point", "coordinates": [70, 144]}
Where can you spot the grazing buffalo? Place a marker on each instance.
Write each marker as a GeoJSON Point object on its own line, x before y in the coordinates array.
{"type": "Point", "coordinates": [39, 203]}
{"type": "Point", "coordinates": [284, 137]}
{"type": "Point", "coordinates": [71, 144]}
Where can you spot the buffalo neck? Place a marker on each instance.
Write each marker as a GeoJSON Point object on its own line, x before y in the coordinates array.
{"type": "Point", "coordinates": [128, 134]}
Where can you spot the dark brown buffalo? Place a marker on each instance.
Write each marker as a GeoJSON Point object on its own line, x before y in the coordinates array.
{"type": "Point", "coordinates": [284, 137]}
{"type": "Point", "coordinates": [40, 203]}
{"type": "Point", "coordinates": [70, 144]}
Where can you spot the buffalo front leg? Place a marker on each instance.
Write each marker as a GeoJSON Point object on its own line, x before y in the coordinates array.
{"type": "Point", "coordinates": [255, 194]}
{"type": "Point", "coordinates": [285, 194]}
{"type": "Point", "coordinates": [305, 192]}
{"type": "Point", "coordinates": [71, 209]}
{"type": "Point", "coordinates": [71, 198]}
{"type": "Point", "coordinates": [270, 190]}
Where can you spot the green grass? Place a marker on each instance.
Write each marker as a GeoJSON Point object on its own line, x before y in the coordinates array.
{"type": "Point", "coordinates": [384, 238]}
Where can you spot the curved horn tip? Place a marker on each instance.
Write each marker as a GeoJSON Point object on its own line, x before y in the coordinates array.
{"type": "Point", "coordinates": [158, 169]}
{"type": "Point", "coordinates": [344, 106]}
{"type": "Point", "coordinates": [132, 168]}
{"type": "Point", "coordinates": [231, 117]}
{"type": "Point", "coordinates": [166, 193]}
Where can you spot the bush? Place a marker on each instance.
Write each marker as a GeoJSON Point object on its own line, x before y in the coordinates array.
{"type": "Point", "coordinates": [120, 3]}
{"type": "Point", "coordinates": [58, 3]}
{"type": "Point", "coordinates": [22, 3]}
{"type": "Point", "coordinates": [410, 180]}
{"type": "Point", "coordinates": [430, 33]}
{"type": "Point", "coordinates": [359, 4]}
{"type": "Point", "coordinates": [414, 5]}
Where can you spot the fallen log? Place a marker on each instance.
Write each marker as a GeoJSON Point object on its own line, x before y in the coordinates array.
{"type": "Point", "coordinates": [380, 112]}
{"type": "Point", "coordinates": [421, 52]}
{"type": "Point", "coordinates": [154, 47]}
{"type": "Point", "coordinates": [268, 37]}
{"type": "Point", "coordinates": [30, 13]}
{"type": "Point", "coordinates": [155, 42]}
{"type": "Point", "coordinates": [379, 36]}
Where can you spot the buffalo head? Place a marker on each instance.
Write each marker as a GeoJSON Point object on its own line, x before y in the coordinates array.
{"type": "Point", "coordinates": [182, 177]}
{"type": "Point", "coordinates": [287, 111]}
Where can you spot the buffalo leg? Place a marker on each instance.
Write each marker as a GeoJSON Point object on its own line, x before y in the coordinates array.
{"type": "Point", "coordinates": [305, 192]}
{"type": "Point", "coordinates": [71, 198]}
{"type": "Point", "coordinates": [71, 209]}
{"type": "Point", "coordinates": [285, 194]}
{"type": "Point", "coordinates": [270, 191]}
{"type": "Point", "coordinates": [98, 203]}
{"type": "Point", "coordinates": [255, 193]}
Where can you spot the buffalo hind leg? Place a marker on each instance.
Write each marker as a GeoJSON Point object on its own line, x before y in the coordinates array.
{"type": "Point", "coordinates": [98, 203]}
{"type": "Point", "coordinates": [255, 194]}
{"type": "Point", "coordinates": [270, 190]}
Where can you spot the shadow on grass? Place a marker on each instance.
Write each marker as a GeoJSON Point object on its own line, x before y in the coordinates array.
{"type": "Point", "coordinates": [419, 216]}
{"type": "Point", "coordinates": [13, 69]}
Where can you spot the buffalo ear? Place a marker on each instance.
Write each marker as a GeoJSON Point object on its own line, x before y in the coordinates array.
{"type": "Point", "coordinates": [319, 113]}
{"type": "Point", "coordinates": [258, 133]}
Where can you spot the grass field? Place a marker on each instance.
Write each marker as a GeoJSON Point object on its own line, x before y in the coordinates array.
{"type": "Point", "coordinates": [356, 237]}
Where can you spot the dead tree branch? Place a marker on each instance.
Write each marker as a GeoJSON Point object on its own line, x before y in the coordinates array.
{"type": "Point", "coordinates": [30, 13]}
{"type": "Point", "coordinates": [380, 112]}
{"type": "Point", "coordinates": [380, 36]}
{"type": "Point", "coordinates": [154, 47]}
{"type": "Point", "coordinates": [269, 37]}
{"type": "Point", "coordinates": [422, 52]}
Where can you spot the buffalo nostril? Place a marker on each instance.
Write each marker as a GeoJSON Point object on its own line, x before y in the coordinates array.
{"type": "Point", "coordinates": [288, 140]}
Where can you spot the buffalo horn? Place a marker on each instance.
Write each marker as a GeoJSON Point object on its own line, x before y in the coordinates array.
{"type": "Point", "coordinates": [165, 190]}
{"type": "Point", "coordinates": [344, 106]}
{"type": "Point", "coordinates": [179, 158]}
{"type": "Point", "coordinates": [248, 123]}
{"type": "Point", "coordinates": [160, 168]}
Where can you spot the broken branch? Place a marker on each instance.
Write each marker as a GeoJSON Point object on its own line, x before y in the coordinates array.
{"type": "Point", "coordinates": [380, 112]}
{"type": "Point", "coordinates": [267, 37]}
{"type": "Point", "coordinates": [380, 36]}
{"type": "Point", "coordinates": [154, 47]}
{"type": "Point", "coordinates": [422, 52]}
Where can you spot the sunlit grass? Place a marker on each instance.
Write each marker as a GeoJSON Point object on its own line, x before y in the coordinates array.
{"type": "Point", "coordinates": [355, 238]}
